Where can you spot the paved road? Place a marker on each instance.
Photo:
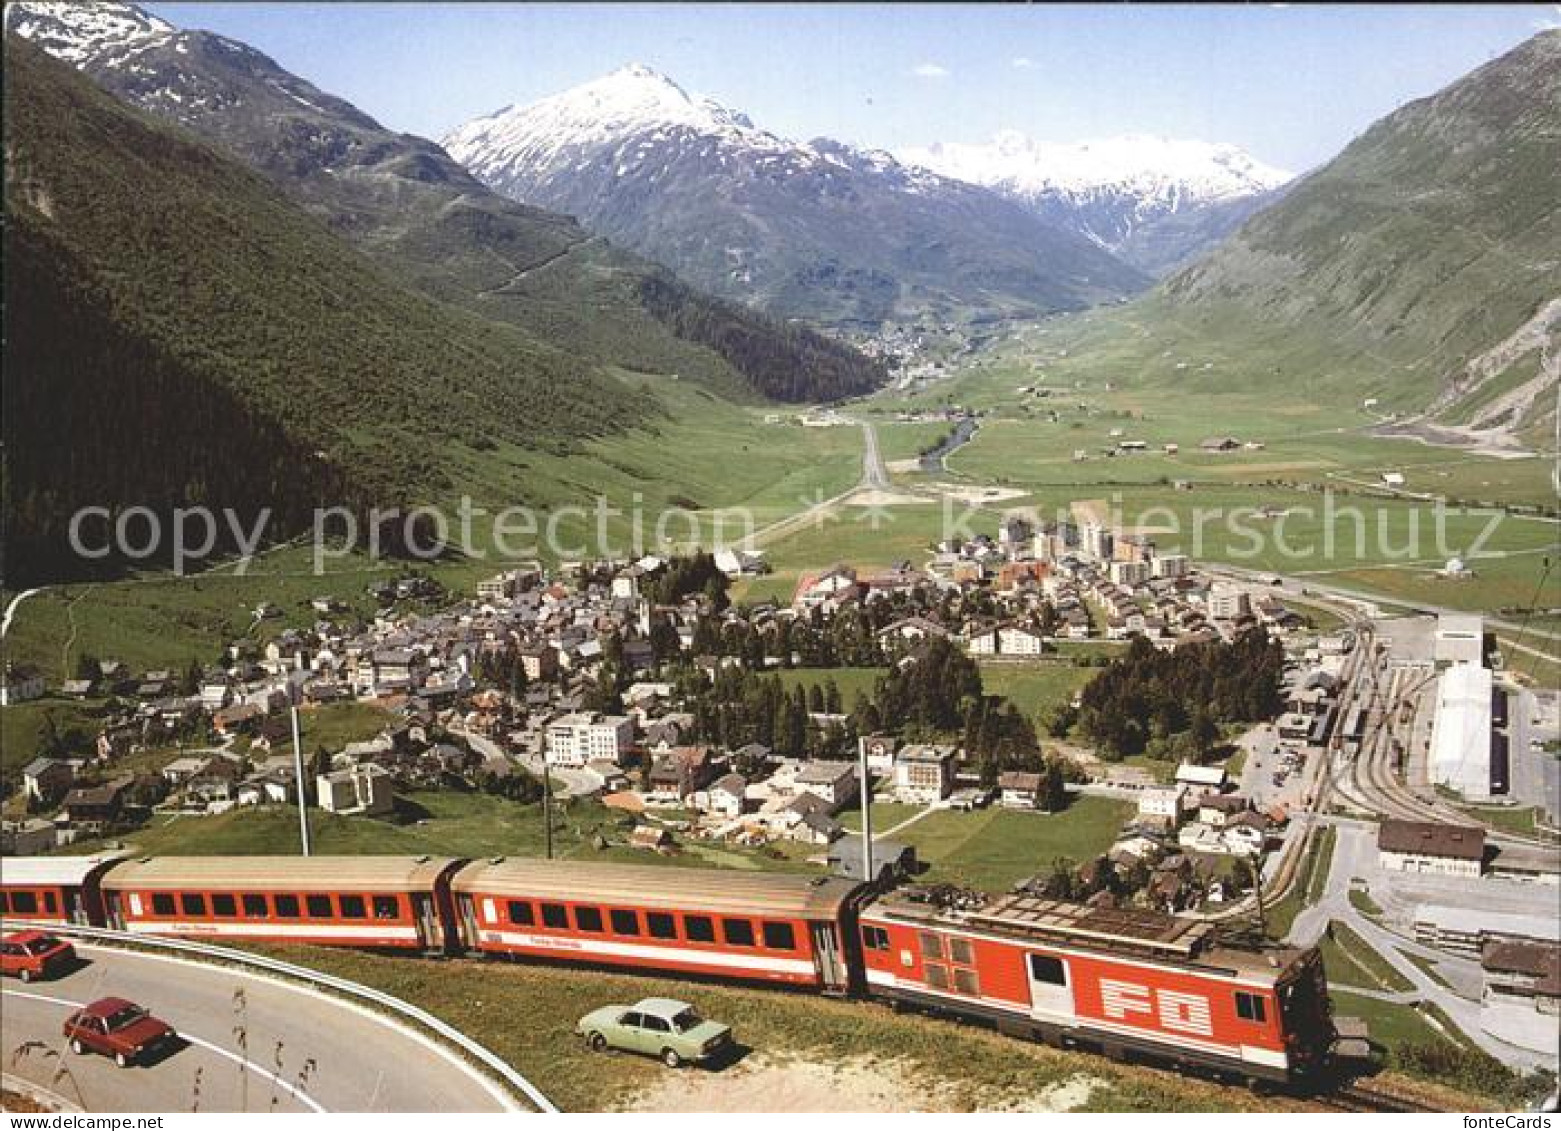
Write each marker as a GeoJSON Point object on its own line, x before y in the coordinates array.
{"type": "Point", "coordinates": [349, 1060]}
{"type": "Point", "coordinates": [1354, 856]}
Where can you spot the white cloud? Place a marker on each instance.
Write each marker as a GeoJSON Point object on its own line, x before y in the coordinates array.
{"type": "Point", "coordinates": [930, 71]}
{"type": "Point", "coordinates": [1023, 62]}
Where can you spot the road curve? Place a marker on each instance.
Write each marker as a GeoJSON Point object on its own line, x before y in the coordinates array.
{"type": "Point", "coordinates": [334, 1056]}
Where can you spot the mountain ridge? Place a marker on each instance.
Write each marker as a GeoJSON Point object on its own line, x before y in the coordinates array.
{"type": "Point", "coordinates": [818, 230]}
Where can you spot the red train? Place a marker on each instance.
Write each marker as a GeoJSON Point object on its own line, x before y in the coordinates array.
{"type": "Point", "coordinates": [1130, 984]}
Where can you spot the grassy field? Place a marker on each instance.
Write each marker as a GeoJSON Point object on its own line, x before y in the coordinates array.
{"type": "Point", "coordinates": [851, 681]}
{"type": "Point", "coordinates": [1037, 687]}
{"type": "Point", "coordinates": [439, 823]}
{"type": "Point", "coordinates": [22, 727]}
{"type": "Point", "coordinates": [1351, 960]}
{"type": "Point", "coordinates": [886, 814]}
{"type": "Point", "coordinates": [992, 849]}
{"type": "Point", "coordinates": [1308, 887]}
{"type": "Point", "coordinates": [987, 1070]}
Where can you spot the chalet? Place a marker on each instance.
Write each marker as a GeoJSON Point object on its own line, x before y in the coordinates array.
{"type": "Point", "coordinates": [680, 772]}
{"type": "Point", "coordinates": [1217, 810]}
{"type": "Point", "coordinates": [237, 719]}
{"type": "Point", "coordinates": [807, 818]}
{"type": "Point", "coordinates": [910, 630]}
{"type": "Point", "coordinates": [45, 780]}
{"type": "Point", "coordinates": [726, 797]}
{"type": "Point", "coordinates": [94, 809]}
{"type": "Point", "coordinates": [78, 688]}
{"type": "Point", "coordinates": [1019, 790]}
{"type": "Point", "coordinates": [834, 783]}
{"type": "Point", "coordinates": [878, 749]}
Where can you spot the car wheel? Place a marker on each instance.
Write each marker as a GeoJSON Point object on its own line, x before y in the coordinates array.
{"type": "Point", "coordinates": [122, 1060]}
{"type": "Point", "coordinates": [76, 1047]}
{"type": "Point", "coordinates": [597, 1042]}
{"type": "Point", "coordinates": [671, 1059]}
{"type": "Point", "coordinates": [27, 975]}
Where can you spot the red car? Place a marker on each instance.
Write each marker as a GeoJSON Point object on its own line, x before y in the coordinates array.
{"type": "Point", "coordinates": [33, 954]}
{"type": "Point", "coordinates": [117, 1028]}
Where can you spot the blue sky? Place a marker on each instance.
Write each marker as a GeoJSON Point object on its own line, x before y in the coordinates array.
{"type": "Point", "coordinates": [1290, 84]}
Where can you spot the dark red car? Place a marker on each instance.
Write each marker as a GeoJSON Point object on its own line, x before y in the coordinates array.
{"type": "Point", "coordinates": [33, 954]}
{"type": "Point", "coordinates": [117, 1028]}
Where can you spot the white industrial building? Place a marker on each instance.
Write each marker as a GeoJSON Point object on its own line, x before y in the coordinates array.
{"type": "Point", "coordinates": [1460, 639]}
{"type": "Point", "coordinates": [1461, 732]}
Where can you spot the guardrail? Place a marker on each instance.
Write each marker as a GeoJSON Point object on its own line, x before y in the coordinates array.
{"type": "Point", "coordinates": [476, 1051]}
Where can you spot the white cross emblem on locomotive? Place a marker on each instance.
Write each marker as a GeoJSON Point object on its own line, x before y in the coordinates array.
{"type": "Point", "coordinates": [1181, 1012]}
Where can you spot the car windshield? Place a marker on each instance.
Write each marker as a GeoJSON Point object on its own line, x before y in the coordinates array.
{"type": "Point", "coordinates": [40, 946]}
{"type": "Point", "coordinates": [687, 1020]}
{"type": "Point", "coordinates": [122, 1018]}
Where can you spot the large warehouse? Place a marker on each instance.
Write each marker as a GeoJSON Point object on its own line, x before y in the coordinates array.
{"type": "Point", "coordinates": [1461, 733]}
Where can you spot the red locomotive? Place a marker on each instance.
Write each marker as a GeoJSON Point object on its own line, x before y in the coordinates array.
{"type": "Point", "coordinates": [1130, 984]}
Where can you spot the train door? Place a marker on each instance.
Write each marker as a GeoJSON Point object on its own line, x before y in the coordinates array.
{"type": "Point", "coordinates": [827, 958]}
{"type": "Point", "coordinates": [429, 930]}
{"type": "Point", "coordinates": [1051, 987]}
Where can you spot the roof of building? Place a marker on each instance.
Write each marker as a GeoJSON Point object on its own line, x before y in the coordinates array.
{"type": "Point", "coordinates": [721, 891]}
{"type": "Point", "coordinates": [1428, 838]}
{"type": "Point", "coordinates": [43, 871]}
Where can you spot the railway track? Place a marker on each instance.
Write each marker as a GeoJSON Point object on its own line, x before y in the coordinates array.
{"type": "Point", "coordinates": [1357, 1098]}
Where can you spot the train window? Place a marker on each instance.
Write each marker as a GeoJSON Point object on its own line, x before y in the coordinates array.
{"type": "Point", "coordinates": [5, 902]}
{"type": "Point", "coordinates": [962, 952]}
{"type": "Point", "coordinates": [938, 977]}
{"type": "Point", "coordinates": [661, 925]}
{"type": "Point", "coordinates": [1045, 968]}
{"type": "Point", "coordinates": [698, 928]}
{"type": "Point", "coordinates": [192, 903]}
{"type": "Point", "coordinates": [286, 907]}
{"type": "Point", "coordinates": [554, 915]}
{"type": "Point", "coordinates": [24, 902]}
{"type": "Point", "coordinates": [162, 904]}
{"type": "Point", "coordinates": [779, 936]}
{"type": "Point", "coordinates": [875, 938]}
{"type": "Point", "coordinates": [352, 907]}
{"type": "Point", "coordinates": [49, 903]}
{"type": "Point", "coordinates": [319, 906]}
{"type": "Point", "coordinates": [255, 906]}
{"type": "Point", "coordinates": [588, 919]}
{"type": "Point", "coordinates": [931, 945]}
{"type": "Point", "coordinates": [224, 905]}
{"type": "Point", "coordinates": [1250, 1007]}
{"type": "Point", "coordinates": [738, 932]}
{"type": "Point", "coordinates": [520, 913]}
{"type": "Point", "coordinates": [966, 981]}
{"type": "Point", "coordinates": [387, 907]}
{"type": "Point", "coordinates": [624, 922]}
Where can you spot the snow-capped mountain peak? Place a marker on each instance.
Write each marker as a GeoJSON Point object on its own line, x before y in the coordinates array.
{"type": "Point", "coordinates": [632, 101]}
{"type": "Point", "coordinates": [1183, 169]}
{"type": "Point", "coordinates": [76, 32]}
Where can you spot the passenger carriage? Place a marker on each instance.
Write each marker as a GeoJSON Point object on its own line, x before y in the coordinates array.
{"type": "Point", "coordinates": [1131, 984]}
{"type": "Point", "coordinates": [53, 889]}
{"type": "Point", "coordinates": [758, 926]}
{"type": "Point", "coordinates": [364, 901]}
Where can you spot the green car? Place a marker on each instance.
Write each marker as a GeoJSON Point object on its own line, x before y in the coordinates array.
{"type": "Point", "coordinates": [660, 1027]}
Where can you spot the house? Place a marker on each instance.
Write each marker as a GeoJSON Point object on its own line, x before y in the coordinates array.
{"type": "Point", "coordinates": [20, 684]}
{"type": "Point", "coordinates": [1201, 780]}
{"type": "Point", "coordinates": [27, 837]}
{"type": "Point", "coordinates": [238, 718]}
{"type": "Point", "coordinates": [364, 789]}
{"type": "Point", "coordinates": [726, 797]}
{"type": "Point", "coordinates": [180, 770]}
{"type": "Point", "coordinates": [1429, 846]}
{"type": "Point", "coordinates": [680, 772]}
{"type": "Point", "coordinates": [1019, 790]}
{"type": "Point", "coordinates": [1219, 444]}
{"type": "Point", "coordinates": [910, 630]}
{"type": "Point", "coordinates": [540, 662]}
{"type": "Point", "coordinates": [807, 818]}
{"type": "Point", "coordinates": [1521, 973]}
{"type": "Point", "coordinates": [94, 809]}
{"type": "Point", "coordinates": [923, 775]}
{"type": "Point", "coordinates": [1020, 640]}
{"type": "Point", "coordinates": [1163, 807]}
{"type": "Point", "coordinates": [878, 749]}
{"type": "Point", "coordinates": [576, 739]}
{"type": "Point", "coordinates": [1218, 810]}
{"type": "Point", "coordinates": [834, 783]}
{"type": "Point", "coordinates": [736, 563]}
{"type": "Point", "coordinates": [44, 780]}
{"type": "Point", "coordinates": [78, 688]}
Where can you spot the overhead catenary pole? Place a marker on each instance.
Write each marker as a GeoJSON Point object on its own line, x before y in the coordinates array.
{"type": "Point", "coordinates": [866, 792]}
{"type": "Point", "coordinates": [298, 775]}
{"type": "Point", "coordinates": [547, 810]}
